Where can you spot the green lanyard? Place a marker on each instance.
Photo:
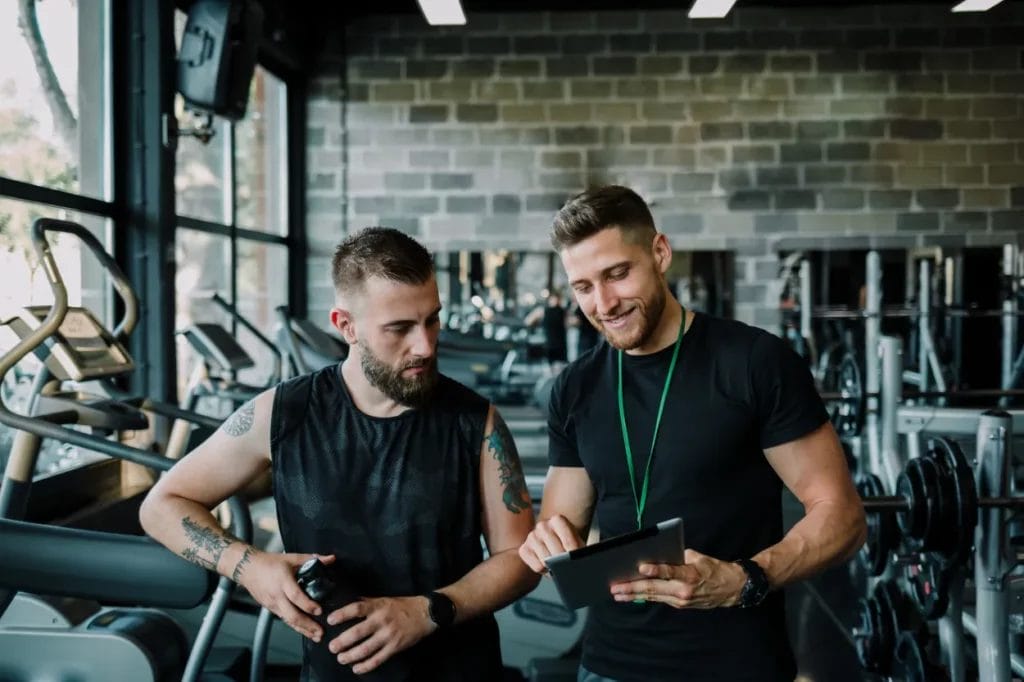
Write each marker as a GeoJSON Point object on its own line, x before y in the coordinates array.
{"type": "Point", "coordinates": [641, 503]}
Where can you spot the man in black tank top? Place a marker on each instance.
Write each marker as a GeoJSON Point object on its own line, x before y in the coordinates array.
{"type": "Point", "coordinates": [684, 415]}
{"type": "Point", "coordinates": [386, 471]}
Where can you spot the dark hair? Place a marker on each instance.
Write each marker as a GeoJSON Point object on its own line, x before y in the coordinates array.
{"type": "Point", "coordinates": [381, 251]}
{"type": "Point", "coordinates": [588, 213]}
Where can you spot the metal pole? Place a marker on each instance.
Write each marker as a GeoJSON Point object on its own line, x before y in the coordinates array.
{"type": "Point", "coordinates": [991, 565]}
{"type": "Point", "coordinates": [1016, 660]}
{"type": "Point", "coordinates": [924, 303]}
{"type": "Point", "coordinates": [1009, 316]}
{"type": "Point", "coordinates": [951, 630]}
{"type": "Point", "coordinates": [891, 350]}
{"type": "Point", "coordinates": [806, 306]}
{"type": "Point", "coordinates": [872, 365]}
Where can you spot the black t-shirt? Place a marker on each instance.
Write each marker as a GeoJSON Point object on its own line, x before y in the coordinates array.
{"type": "Point", "coordinates": [397, 501]}
{"type": "Point", "coordinates": [736, 390]}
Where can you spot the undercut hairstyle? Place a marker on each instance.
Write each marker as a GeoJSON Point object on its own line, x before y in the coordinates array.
{"type": "Point", "coordinates": [598, 209]}
{"type": "Point", "coordinates": [383, 252]}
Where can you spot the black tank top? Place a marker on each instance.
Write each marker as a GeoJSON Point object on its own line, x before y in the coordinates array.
{"type": "Point", "coordinates": [396, 500]}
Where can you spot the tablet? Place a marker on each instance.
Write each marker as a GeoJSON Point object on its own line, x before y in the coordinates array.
{"type": "Point", "coordinates": [583, 576]}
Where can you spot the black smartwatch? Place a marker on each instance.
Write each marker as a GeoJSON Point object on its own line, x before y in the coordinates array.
{"type": "Point", "coordinates": [441, 610]}
{"type": "Point", "coordinates": [756, 588]}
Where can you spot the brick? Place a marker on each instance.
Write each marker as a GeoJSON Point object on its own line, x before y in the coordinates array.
{"type": "Point", "coordinates": [677, 42]}
{"type": "Point", "coordinates": [546, 202]}
{"type": "Point", "coordinates": [579, 135]}
{"type": "Point", "coordinates": [996, 59]}
{"type": "Point", "coordinates": [678, 157]}
{"type": "Point", "coordinates": [615, 112]}
{"type": "Point", "coordinates": [867, 38]}
{"type": "Point", "coordinates": [712, 111]}
{"type": "Point", "coordinates": [964, 175]}
{"type": "Point", "coordinates": [431, 113]}
{"type": "Point", "coordinates": [769, 86]}
{"type": "Point", "coordinates": [536, 44]}
{"type": "Point", "coordinates": [622, 20]}
{"type": "Point", "coordinates": [897, 61]}
{"type": "Point", "coordinates": [753, 109]}
{"type": "Point", "coordinates": [826, 39]}
{"type": "Point", "coordinates": [703, 64]}
{"type": "Point", "coordinates": [919, 176]}
{"type": "Point", "coordinates": [523, 113]}
{"type": "Point", "coordinates": [917, 37]}
{"type": "Point", "coordinates": [1008, 129]}
{"type": "Point", "coordinates": [588, 89]}
{"type": "Point", "coordinates": [925, 83]}
{"type": "Point", "coordinates": [473, 158]}
{"type": "Point", "coordinates": [473, 68]}
{"type": "Point", "coordinates": [773, 40]}
{"type": "Point", "coordinates": [735, 178]}
{"type": "Point", "coordinates": [519, 67]}
{"type": "Point", "coordinates": [946, 107]}
{"type": "Point", "coordinates": [506, 203]}
{"type": "Point", "coordinates": [773, 222]}
{"type": "Point", "coordinates": [917, 222]}
{"type": "Point", "coordinates": [749, 200]}
{"type": "Point", "coordinates": [1006, 174]}
{"type": "Point", "coordinates": [658, 111]}
{"type": "Point", "coordinates": [544, 90]}
{"type": "Point", "coordinates": [871, 174]}
{"type": "Point", "coordinates": [888, 199]}
{"type": "Point", "coordinates": [444, 45]}
{"type": "Point", "coordinates": [722, 85]}
{"type": "Point", "coordinates": [801, 152]}
{"type": "Point", "coordinates": [1017, 196]}
{"type": "Point", "coordinates": [476, 113]}
{"type": "Point", "coordinates": [904, 107]}
{"type": "Point", "coordinates": [566, 67]}
{"type": "Point", "coordinates": [1008, 220]}
{"type": "Point", "coordinates": [451, 181]}
{"type": "Point", "coordinates": [969, 83]}
{"type": "Point", "coordinates": [721, 131]}
{"type": "Point", "coordinates": [650, 135]}
{"type": "Point", "coordinates": [584, 44]}
{"type": "Point", "coordinates": [816, 130]}
{"type": "Point", "coordinates": [984, 198]}
{"type": "Point", "coordinates": [620, 157]}
{"type": "Point", "coordinates": [859, 106]}
{"type": "Point", "coordinates": [814, 85]}
{"type": "Point", "coordinates": [374, 204]}
{"type": "Point", "coordinates": [770, 130]}
{"type": "Point", "coordinates": [688, 223]}
{"type": "Point", "coordinates": [378, 69]}
{"type": "Point", "coordinates": [743, 63]}
{"type": "Point", "coordinates": [561, 180]}
{"type": "Point", "coordinates": [640, 88]}
{"type": "Point", "coordinates": [1008, 83]}
{"type": "Point", "coordinates": [612, 135]}
{"type": "Point", "coordinates": [848, 151]}
{"type": "Point", "coordinates": [418, 205]}
{"type": "Point", "coordinates": [428, 158]}
{"type": "Point", "coordinates": [569, 113]}
{"type": "Point", "coordinates": [842, 199]}
{"type": "Point", "coordinates": [490, 45]}
{"type": "Point", "coordinates": [659, 65]}
{"type": "Point", "coordinates": [910, 129]}
{"type": "Point", "coordinates": [393, 92]}
{"type": "Point", "coordinates": [775, 177]}
{"type": "Point", "coordinates": [866, 83]}
{"type": "Point", "coordinates": [947, 60]}
{"type": "Point", "coordinates": [755, 153]}
{"type": "Point", "coordinates": [410, 226]}
{"type": "Point", "coordinates": [561, 159]}
{"type": "Point", "coordinates": [838, 61]}
{"type": "Point", "coordinates": [726, 40]}
{"type": "Point", "coordinates": [516, 23]}
{"type": "Point", "coordinates": [692, 182]}
{"type": "Point", "coordinates": [968, 130]}
{"type": "Point", "coordinates": [712, 157]}
{"type": "Point", "coordinates": [824, 175]}
{"type": "Point", "coordinates": [614, 66]}
{"type": "Point", "coordinates": [629, 43]}
{"type": "Point", "coordinates": [938, 198]}
{"type": "Point", "coordinates": [965, 221]}
{"type": "Point", "coordinates": [496, 91]}
{"type": "Point", "coordinates": [796, 199]}
{"type": "Point", "coordinates": [687, 134]}
{"type": "Point", "coordinates": [944, 153]}
{"type": "Point", "coordinates": [789, 63]}
{"type": "Point", "coordinates": [862, 128]}
{"type": "Point", "coordinates": [455, 91]}
{"type": "Point", "coordinates": [464, 204]}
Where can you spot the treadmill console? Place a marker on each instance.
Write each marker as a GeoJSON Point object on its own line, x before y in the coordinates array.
{"type": "Point", "coordinates": [80, 350]}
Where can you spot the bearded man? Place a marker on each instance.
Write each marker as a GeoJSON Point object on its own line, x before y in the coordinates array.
{"type": "Point", "coordinates": [382, 467]}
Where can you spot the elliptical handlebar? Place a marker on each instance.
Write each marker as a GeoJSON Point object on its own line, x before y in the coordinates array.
{"type": "Point", "coordinates": [275, 353]}
{"type": "Point", "coordinates": [121, 284]}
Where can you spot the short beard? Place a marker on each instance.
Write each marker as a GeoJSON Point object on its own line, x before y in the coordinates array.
{"type": "Point", "coordinates": [651, 311]}
{"type": "Point", "coordinates": [412, 392]}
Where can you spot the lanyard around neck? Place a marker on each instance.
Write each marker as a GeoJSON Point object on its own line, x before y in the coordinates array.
{"type": "Point", "coordinates": [641, 502]}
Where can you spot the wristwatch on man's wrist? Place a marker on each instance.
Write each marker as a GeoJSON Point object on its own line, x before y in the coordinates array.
{"type": "Point", "coordinates": [441, 610]}
{"type": "Point", "coordinates": [757, 587]}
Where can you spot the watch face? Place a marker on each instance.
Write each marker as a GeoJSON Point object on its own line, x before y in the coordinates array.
{"type": "Point", "coordinates": [442, 609]}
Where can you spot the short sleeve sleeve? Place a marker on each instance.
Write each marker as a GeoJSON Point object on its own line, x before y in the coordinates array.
{"type": "Point", "coordinates": [562, 451]}
{"type": "Point", "coordinates": [787, 403]}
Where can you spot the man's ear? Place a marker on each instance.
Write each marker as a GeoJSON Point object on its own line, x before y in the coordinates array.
{"type": "Point", "coordinates": [662, 252]}
{"type": "Point", "coordinates": [342, 321]}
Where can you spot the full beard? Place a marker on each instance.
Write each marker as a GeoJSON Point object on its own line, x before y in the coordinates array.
{"type": "Point", "coordinates": [628, 339]}
{"type": "Point", "coordinates": [407, 391]}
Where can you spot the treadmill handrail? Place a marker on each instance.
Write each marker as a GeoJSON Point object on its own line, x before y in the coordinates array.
{"type": "Point", "coordinates": [112, 568]}
{"type": "Point", "coordinates": [275, 375]}
{"type": "Point", "coordinates": [121, 283]}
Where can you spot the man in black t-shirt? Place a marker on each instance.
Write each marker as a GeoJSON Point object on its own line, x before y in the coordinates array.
{"type": "Point", "coordinates": [682, 414]}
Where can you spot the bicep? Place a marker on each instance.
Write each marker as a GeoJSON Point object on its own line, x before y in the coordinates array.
{"type": "Point", "coordinates": [568, 492]}
{"type": "Point", "coordinates": [225, 462]}
{"type": "Point", "coordinates": [814, 467]}
{"type": "Point", "coordinates": [507, 511]}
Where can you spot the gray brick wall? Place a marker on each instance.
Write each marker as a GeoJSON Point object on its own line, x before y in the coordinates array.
{"type": "Point", "coordinates": [771, 130]}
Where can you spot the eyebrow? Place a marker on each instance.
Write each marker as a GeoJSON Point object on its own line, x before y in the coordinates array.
{"type": "Point", "coordinates": [603, 272]}
{"type": "Point", "coordinates": [389, 323]}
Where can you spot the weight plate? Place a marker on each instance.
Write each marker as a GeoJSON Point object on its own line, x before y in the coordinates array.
{"type": "Point", "coordinates": [929, 585]}
{"type": "Point", "coordinates": [883, 533]}
{"type": "Point", "coordinates": [962, 508]}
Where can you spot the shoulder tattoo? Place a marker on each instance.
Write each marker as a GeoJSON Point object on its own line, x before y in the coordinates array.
{"type": "Point", "coordinates": [501, 446]}
{"type": "Point", "coordinates": [239, 423]}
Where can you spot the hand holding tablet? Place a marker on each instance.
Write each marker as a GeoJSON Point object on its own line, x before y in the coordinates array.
{"type": "Point", "coordinates": [583, 576]}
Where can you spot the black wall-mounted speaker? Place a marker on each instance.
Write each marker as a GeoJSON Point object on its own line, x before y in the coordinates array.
{"type": "Point", "coordinates": [217, 57]}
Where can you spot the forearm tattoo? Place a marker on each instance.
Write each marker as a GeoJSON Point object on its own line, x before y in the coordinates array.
{"type": "Point", "coordinates": [515, 495]}
{"type": "Point", "coordinates": [239, 423]}
{"type": "Point", "coordinates": [236, 575]}
{"type": "Point", "coordinates": [205, 545]}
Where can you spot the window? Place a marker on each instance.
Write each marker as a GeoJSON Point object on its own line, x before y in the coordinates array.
{"type": "Point", "coordinates": [261, 157]}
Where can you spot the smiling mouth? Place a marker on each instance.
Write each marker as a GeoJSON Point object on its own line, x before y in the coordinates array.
{"type": "Point", "coordinates": [613, 321]}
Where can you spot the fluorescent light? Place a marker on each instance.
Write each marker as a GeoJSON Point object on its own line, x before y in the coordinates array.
{"type": "Point", "coordinates": [710, 9]}
{"type": "Point", "coordinates": [443, 12]}
{"type": "Point", "coordinates": [976, 5]}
